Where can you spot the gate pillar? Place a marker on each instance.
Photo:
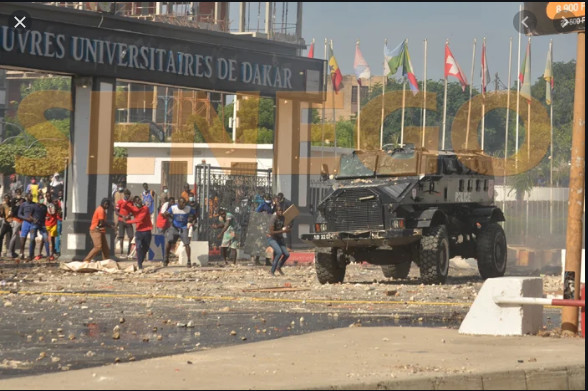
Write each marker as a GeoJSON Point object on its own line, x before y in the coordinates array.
{"type": "Point", "coordinates": [89, 173]}
{"type": "Point", "coordinates": [291, 162]}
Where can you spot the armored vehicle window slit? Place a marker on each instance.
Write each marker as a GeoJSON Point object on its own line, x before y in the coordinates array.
{"type": "Point", "coordinates": [461, 185]}
{"type": "Point", "coordinates": [470, 185]}
{"type": "Point", "coordinates": [485, 184]}
{"type": "Point", "coordinates": [478, 185]}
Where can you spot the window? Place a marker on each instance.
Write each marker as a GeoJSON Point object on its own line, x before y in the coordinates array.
{"type": "Point", "coordinates": [485, 184]}
{"type": "Point", "coordinates": [461, 185]}
{"type": "Point", "coordinates": [470, 184]}
{"type": "Point", "coordinates": [478, 185]}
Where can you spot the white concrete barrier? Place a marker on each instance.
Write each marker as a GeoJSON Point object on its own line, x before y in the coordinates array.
{"type": "Point", "coordinates": [199, 253]}
{"type": "Point", "coordinates": [485, 317]}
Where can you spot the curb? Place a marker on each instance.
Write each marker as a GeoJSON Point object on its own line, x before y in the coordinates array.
{"type": "Point", "coordinates": [557, 378]}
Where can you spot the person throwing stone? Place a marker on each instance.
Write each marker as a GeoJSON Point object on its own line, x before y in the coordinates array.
{"type": "Point", "coordinates": [275, 238]}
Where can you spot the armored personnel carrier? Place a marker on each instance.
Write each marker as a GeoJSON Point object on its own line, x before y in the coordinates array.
{"type": "Point", "coordinates": [396, 206]}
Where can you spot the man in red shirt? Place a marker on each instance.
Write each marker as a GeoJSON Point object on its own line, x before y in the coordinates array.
{"type": "Point", "coordinates": [98, 232]}
{"type": "Point", "coordinates": [144, 227]}
{"type": "Point", "coordinates": [124, 214]}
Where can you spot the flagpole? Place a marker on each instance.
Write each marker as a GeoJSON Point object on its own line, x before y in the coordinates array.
{"type": "Point", "coordinates": [403, 103]}
{"type": "Point", "coordinates": [518, 93]}
{"type": "Point", "coordinates": [485, 65]}
{"type": "Point", "coordinates": [424, 97]}
{"type": "Point", "coordinates": [551, 146]}
{"type": "Point", "coordinates": [384, 82]}
{"type": "Point", "coordinates": [444, 107]}
{"type": "Point", "coordinates": [529, 109]}
{"type": "Point", "coordinates": [334, 119]}
{"type": "Point", "coordinates": [470, 100]}
{"type": "Point", "coordinates": [325, 68]}
{"type": "Point", "coordinates": [507, 119]}
{"type": "Point", "coordinates": [358, 108]}
{"type": "Point", "coordinates": [358, 116]}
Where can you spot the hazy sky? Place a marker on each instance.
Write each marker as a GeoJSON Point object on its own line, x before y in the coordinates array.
{"type": "Point", "coordinates": [460, 23]}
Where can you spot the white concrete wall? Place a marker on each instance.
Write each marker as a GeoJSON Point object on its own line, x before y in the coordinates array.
{"type": "Point", "coordinates": [537, 194]}
{"type": "Point", "coordinates": [145, 159]}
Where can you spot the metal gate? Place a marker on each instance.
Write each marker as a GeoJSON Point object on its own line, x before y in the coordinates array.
{"type": "Point", "coordinates": [237, 190]}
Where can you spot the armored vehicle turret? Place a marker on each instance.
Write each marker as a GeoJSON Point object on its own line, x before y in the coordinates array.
{"type": "Point", "coordinates": [396, 206]}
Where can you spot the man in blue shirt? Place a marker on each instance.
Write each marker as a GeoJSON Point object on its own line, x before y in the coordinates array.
{"type": "Point", "coordinates": [38, 226]}
{"type": "Point", "coordinates": [182, 215]}
{"type": "Point", "coordinates": [266, 206]}
{"type": "Point", "coordinates": [148, 198]}
{"type": "Point", "coordinates": [25, 213]}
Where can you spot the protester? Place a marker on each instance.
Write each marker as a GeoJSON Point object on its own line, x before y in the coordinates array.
{"type": "Point", "coordinates": [163, 197]}
{"type": "Point", "coordinates": [144, 227]}
{"type": "Point", "coordinates": [16, 202]}
{"type": "Point", "coordinates": [56, 186]}
{"type": "Point", "coordinates": [43, 187]}
{"type": "Point", "coordinates": [15, 185]}
{"type": "Point", "coordinates": [162, 222]}
{"type": "Point", "coordinates": [124, 214]}
{"type": "Point", "coordinates": [275, 235]}
{"type": "Point", "coordinates": [98, 231]}
{"type": "Point", "coordinates": [33, 189]}
{"type": "Point", "coordinates": [119, 194]}
{"type": "Point", "coordinates": [229, 241]}
{"type": "Point", "coordinates": [187, 193]}
{"type": "Point", "coordinates": [181, 214]}
{"type": "Point", "coordinates": [266, 206]}
{"type": "Point", "coordinates": [25, 213]}
{"type": "Point", "coordinates": [58, 202]}
{"type": "Point", "coordinates": [5, 222]}
{"type": "Point", "coordinates": [38, 227]}
{"type": "Point", "coordinates": [148, 198]}
{"type": "Point", "coordinates": [53, 215]}
{"type": "Point", "coordinates": [284, 203]}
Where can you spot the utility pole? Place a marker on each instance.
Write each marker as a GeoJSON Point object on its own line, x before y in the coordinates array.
{"type": "Point", "coordinates": [569, 315]}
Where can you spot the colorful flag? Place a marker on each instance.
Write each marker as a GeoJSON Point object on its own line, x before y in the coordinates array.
{"type": "Point", "coordinates": [525, 74]}
{"type": "Point", "coordinates": [311, 50]}
{"type": "Point", "coordinates": [548, 75]}
{"type": "Point", "coordinates": [360, 66]}
{"type": "Point", "coordinates": [393, 59]}
{"type": "Point", "coordinates": [485, 72]}
{"type": "Point", "coordinates": [336, 76]}
{"type": "Point", "coordinates": [452, 68]}
{"type": "Point", "coordinates": [408, 72]}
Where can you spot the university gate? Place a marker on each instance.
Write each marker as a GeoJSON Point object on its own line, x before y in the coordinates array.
{"type": "Point", "coordinates": [97, 49]}
{"type": "Point", "coordinates": [237, 190]}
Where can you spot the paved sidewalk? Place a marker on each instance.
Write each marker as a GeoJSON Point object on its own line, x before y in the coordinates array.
{"type": "Point", "coordinates": [348, 358]}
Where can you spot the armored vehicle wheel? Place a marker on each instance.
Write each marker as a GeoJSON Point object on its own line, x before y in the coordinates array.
{"type": "Point", "coordinates": [434, 255]}
{"type": "Point", "coordinates": [491, 251]}
{"type": "Point", "coordinates": [399, 271]}
{"type": "Point", "coordinates": [328, 268]}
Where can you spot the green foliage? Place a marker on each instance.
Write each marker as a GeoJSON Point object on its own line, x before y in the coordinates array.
{"type": "Point", "coordinates": [345, 132]}
{"type": "Point", "coordinates": [257, 136]}
{"type": "Point", "coordinates": [256, 118]}
{"type": "Point", "coordinates": [62, 83]}
{"type": "Point", "coordinates": [133, 132]}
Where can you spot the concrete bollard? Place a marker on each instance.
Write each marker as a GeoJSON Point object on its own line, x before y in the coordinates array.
{"type": "Point", "coordinates": [485, 317]}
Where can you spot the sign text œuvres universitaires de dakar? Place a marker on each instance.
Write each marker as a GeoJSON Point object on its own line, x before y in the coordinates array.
{"type": "Point", "coordinates": [151, 59]}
